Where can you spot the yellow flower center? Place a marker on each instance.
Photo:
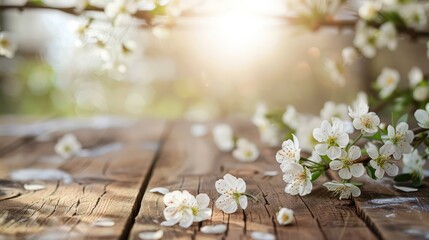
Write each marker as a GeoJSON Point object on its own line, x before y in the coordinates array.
{"type": "Point", "coordinates": [285, 217]}
{"type": "Point", "coordinates": [332, 141]}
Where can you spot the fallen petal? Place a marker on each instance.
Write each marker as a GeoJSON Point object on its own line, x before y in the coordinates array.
{"type": "Point", "coordinates": [151, 235]}
{"type": "Point", "coordinates": [160, 190]}
{"type": "Point", "coordinates": [214, 229]}
{"type": "Point", "coordinates": [271, 173]}
{"type": "Point", "coordinates": [104, 222]}
{"type": "Point", "coordinates": [34, 187]}
{"type": "Point", "coordinates": [406, 189]}
{"type": "Point", "coordinates": [262, 236]}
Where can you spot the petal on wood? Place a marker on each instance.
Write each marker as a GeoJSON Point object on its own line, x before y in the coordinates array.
{"type": "Point", "coordinates": [214, 229]}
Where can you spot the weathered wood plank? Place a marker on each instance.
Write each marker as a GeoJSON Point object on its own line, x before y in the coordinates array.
{"type": "Point", "coordinates": [394, 214]}
{"type": "Point", "coordinates": [106, 185]}
{"type": "Point", "coordinates": [194, 164]}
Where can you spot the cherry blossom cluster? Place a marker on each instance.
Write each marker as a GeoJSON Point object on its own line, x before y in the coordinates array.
{"type": "Point", "coordinates": [375, 148]}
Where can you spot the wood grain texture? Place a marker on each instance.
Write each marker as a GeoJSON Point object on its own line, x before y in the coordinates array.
{"type": "Point", "coordinates": [194, 164]}
{"type": "Point", "coordinates": [106, 185]}
{"type": "Point", "coordinates": [394, 214]}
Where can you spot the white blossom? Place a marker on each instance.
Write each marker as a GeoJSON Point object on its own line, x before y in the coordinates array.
{"type": "Point", "coordinates": [298, 179]}
{"type": "Point", "coordinates": [269, 133]}
{"type": "Point", "coordinates": [350, 55]}
{"type": "Point", "coordinates": [305, 133]}
{"type": "Point", "coordinates": [415, 76]}
{"type": "Point", "coordinates": [121, 11]}
{"type": "Point", "coordinates": [422, 117]}
{"type": "Point", "coordinates": [233, 193]}
{"type": "Point", "coordinates": [369, 10]}
{"type": "Point", "coordinates": [414, 15]}
{"type": "Point", "coordinates": [387, 82]}
{"type": "Point", "coordinates": [332, 110]}
{"type": "Point", "coordinates": [331, 138]}
{"type": "Point", "coordinates": [344, 190]}
{"type": "Point", "coordinates": [292, 118]}
{"type": "Point", "coordinates": [400, 138]}
{"type": "Point", "coordinates": [365, 39]}
{"type": "Point", "coordinates": [347, 168]}
{"type": "Point", "coordinates": [420, 93]}
{"type": "Point", "coordinates": [68, 146]}
{"type": "Point", "coordinates": [8, 45]}
{"type": "Point", "coordinates": [336, 71]}
{"type": "Point", "coordinates": [290, 152]}
{"type": "Point", "coordinates": [223, 137]}
{"type": "Point", "coordinates": [413, 163]}
{"type": "Point", "coordinates": [381, 160]}
{"type": "Point", "coordinates": [387, 36]}
{"type": "Point", "coordinates": [184, 208]}
{"type": "Point", "coordinates": [363, 120]}
{"type": "Point", "coordinates": [285, 216]}
{"type": "Point", "coordinates": [246, 151]}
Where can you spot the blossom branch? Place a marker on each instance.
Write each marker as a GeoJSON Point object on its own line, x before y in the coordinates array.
{"type": "Point", "coordinates": [147, 16]}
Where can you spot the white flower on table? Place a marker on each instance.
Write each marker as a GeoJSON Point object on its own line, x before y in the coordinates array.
{"type": "Point", "coordinates": [233, 193]}
{"type": "Point", "coordinates": [400, 138]}
{"type": "Point", "coordinates": [246, 151]}
{"type": "Point", "coordinates": [347, 168]}
{"type": "Point", "coordinates": [387, 82]}
{"type": "Point", "coordinates": [369, 10]}
{"type": "Point", "coordinates": [68, 146]}
{"type": "Point", "coordinates": [285, 216]}
{"type": "Point", "coordinates": [290, 152]}
{"type": "Point", "coordinates": [298, 179]}
{"type": "Point", "coordinates": [413, 163]}
{"type": "Point", "coordinates": [363, 120]}
{"type": "Point", "coordinates": [184, 208]}
{"type": "Point", "coordinates": [121, 11]}
{"type": "Point", "coordinates": [7, 45]}
{"type": "Point", "coordinates": [415, 76]}
{"type": "Point", "coordinates": [331, 138]}
{"type": "Point", "coordinates": [223, 137]}
{"type": "Point", "coordinates": [381, 160]}
{"type": "Point", "coordinates": [344, 190]}
{"type": "Point", "coordinates": [350, 55]}
{"type": "Point", "coordinates": [422, 117]}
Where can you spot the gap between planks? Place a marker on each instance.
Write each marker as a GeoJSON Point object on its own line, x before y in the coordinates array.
{"type": "Point", "coordinates": [138, 200]}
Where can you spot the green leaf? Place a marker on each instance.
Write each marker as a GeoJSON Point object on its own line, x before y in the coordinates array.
{"type": "Point", "coordinates": [376, 136]}
{"type": "Point", "coordinates": [416, 182]}
{"type": "Point", "coordinates": [326, 158]}
{"type": "Point", "coordinates": [315, 175]}
{"type": "Point", "coordinates": [371, 172]}
{"type": "Point", "coordinates": [403, 118]}
{"type": "Point", "coordinates": [403, 177]}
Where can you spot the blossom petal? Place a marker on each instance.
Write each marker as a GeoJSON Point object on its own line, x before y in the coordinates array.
{"type": "Point", "coordinates": [333, 152]}
{"type": "Point", "coordinates": [321, 149]}
{"type": "Point", "coordinates": [243, 201]}
{"type": "Point", "coordinates": [379, 172]}
{"type": "Point", "coordinates": [357, 170]}
{"type": "Point", "coordinates": [241, 186]}
{"type": "Point", "coordinates": [391, 169]}
{"type": "Point", "coordinates": [343, 139]}
{"type": "Point", "coordinates": [203, 200]}
{"type": "Point", "coordinates": [187, 219]}
{"type": "Point", "coordinates": [319, 135]}
{"type": "Point", "coordinates": [336, 165]}
{"type": "Point", "coordinates": [226, 203]}
{"type": "Point", "coordinates": [221, 186]}
{"type": "Point", "coordinates": [230, 180]}
{"type": "Point", "coordinates": [344, 173]}
{"type": "Point", "coordinates": [170, 222]}
{"type": "Point", "coordinates": [354, 152]}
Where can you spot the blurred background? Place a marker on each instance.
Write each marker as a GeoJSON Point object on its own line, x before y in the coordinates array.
{"type": "Point", "coordinates": [201, 69]}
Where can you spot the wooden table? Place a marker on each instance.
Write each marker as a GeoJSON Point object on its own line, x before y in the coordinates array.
{"type": "Point", "coordinates": [149, 153]}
